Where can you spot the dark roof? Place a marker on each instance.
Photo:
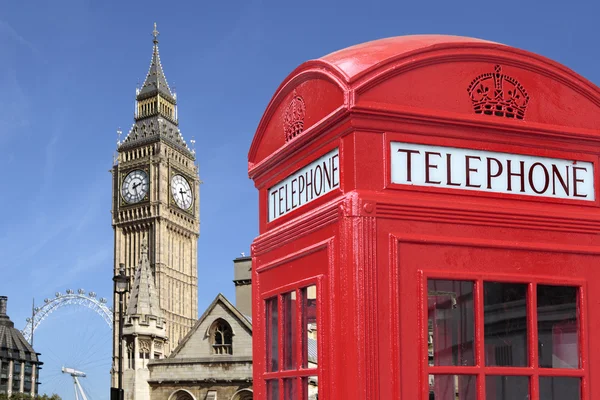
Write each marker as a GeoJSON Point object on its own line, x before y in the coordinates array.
{"type": "Point", "coordinates": [155, 82]}
{"type": "Point", "coordinates": [154, 129]}
{"type": "Point", "coordinates": [13, 345]}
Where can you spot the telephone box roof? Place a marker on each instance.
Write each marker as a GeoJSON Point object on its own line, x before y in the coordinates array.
{"type": "Point", "coordinates": [431, 75]}
{"type": "Point", "coordinates": [353, 61]}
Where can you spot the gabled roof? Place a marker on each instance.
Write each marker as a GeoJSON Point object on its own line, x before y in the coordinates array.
{"type": "Point", "coordinates": [219, 299]}
{"type": "Point", "coordinates": [156, 81]}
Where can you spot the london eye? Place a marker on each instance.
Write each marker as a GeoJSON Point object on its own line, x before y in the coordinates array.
{"type": "Point", "coordinates": [84, 323]}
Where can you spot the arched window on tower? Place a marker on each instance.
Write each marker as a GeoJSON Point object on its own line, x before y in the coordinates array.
{"type": "Point", "coordinates": [221, 337]}
{"type": "Point", "coordinates": [130, 355]}
{"type": "Point", "coordinates": [181, 395]}
{"type": "Point", "coordinates": [244, 394]}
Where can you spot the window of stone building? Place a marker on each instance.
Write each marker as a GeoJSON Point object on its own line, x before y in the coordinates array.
{"type": "Point", "coordinates": [27, 373]}
{"type": "Point", "coordinates": [243, 394]}
{"type": "Point", "coordinates": [3, 376]}
{"type": "Point", "coordinates": [144, 352]}
{"type": "Point", "coordinates": [130, 355]}
{"type": "Point", "coordinates": [16, 378]}
{"type": "Point", "coordinates": [182, 395]}
{"type": "Point", "coordinates": [221, 337]}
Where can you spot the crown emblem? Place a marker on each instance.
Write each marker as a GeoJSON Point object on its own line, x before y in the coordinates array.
{"type": "Point", "coordinates": [495, 93]}
{"type": "Point", "coordinates": [293, 120]}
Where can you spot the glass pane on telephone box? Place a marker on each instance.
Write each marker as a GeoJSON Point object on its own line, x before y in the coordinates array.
{"type": "Point", "coordinates": [450, 322]}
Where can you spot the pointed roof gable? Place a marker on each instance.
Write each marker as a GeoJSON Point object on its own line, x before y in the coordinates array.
{"type": "Point", "coordinates": [144, 298]}
{"type": "Point", "coordinates": [156, 81]}
{"type": "Point", "coordinates": [219, 299]}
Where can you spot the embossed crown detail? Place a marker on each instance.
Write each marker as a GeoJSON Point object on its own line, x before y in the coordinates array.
{"type": "Point", "coordinates": [293, 120]}
{"type": "Point", "coordinates": [495, 93]}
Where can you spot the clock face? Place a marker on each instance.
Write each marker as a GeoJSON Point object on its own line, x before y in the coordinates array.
{"type": "Point", "coordinates": [135, 186]}
{"type": "Point", "coordinates": [182, 192]}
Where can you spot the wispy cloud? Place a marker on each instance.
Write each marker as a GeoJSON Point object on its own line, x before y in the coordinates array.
{"type": "Point", "coordinates": [8, 31]}
{"type": "Point", "coordinates": [49, 162]}
{"type": "Point", "coordinates": [23, 244]}
{"type": "Point", "coordinates": [15, 107]}
{"type": "Point", "coordinates": [244, 24]}
{"type": "Point", "coordinates": [14, 104]}
{"type": "Point", "coordinates": [72, 274]}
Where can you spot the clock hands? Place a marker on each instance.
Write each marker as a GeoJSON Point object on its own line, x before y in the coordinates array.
{"type": "Point", "coordinates": [135, 187]}
{"type": "Point", "coordinates": [182, 192]}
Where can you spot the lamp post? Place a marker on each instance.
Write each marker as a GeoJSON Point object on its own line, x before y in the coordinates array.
{"type": "Point", "coordinates": [121, 287]}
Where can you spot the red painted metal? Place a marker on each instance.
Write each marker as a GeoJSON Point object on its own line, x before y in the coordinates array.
{"type": "Point", "coordinates": [370, 245]}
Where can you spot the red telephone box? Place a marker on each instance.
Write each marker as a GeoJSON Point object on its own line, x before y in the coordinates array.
{"type": "Point", "coordinates": [429, 224]}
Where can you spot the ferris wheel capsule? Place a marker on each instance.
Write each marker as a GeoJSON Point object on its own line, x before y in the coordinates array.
{"type": "Point", "coordinates": [92, 294]}
{"type": "Point", "coordinates": [46, 300]}
{"type": "Point", "coordinates": [81, 291]}
{"type": "Point", "coordinates": [70, 291]}
{"type": "Point", "coordinates": [102, 300]}
{"type": "Point", "coordinates": [57, 294]}
{"type": "Point", "coordinates": [37, 309]}
{"type": "Point", "coordinates": [28, 319]}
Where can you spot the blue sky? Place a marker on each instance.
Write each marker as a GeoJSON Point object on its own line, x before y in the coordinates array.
{"type": "Point", "coordinates": [68, 73]}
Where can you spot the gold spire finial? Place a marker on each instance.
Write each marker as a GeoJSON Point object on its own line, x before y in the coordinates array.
{"type": "Point", "coordinates": [155, 34]}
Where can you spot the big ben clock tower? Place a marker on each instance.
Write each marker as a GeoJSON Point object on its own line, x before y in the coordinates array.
{"type": "Point", "coordinates": [156, 199]}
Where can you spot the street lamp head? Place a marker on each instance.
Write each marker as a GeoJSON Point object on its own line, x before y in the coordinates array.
{"type": "Point", "coordinates": [121, 281]}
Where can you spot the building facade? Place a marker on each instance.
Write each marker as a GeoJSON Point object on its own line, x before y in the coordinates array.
{"type": "Point", "coordinates": [213, 362]}
{"type": "Point", "coordinates": [156, 196]}
{"type": "Point", "coordinates": [144, 330]}
{"type": "Point", "coordinates": [19, 363]}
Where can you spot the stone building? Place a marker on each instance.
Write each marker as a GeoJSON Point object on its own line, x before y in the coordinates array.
{"type": "Point", "coordinates": [144, 333]}
{"type": "Point", "coordinates": [212, 362]}
{"type": "Point", "coordinates": [169, 353]}
{"type": "Point", "coordinates": [156, 196]}
{"type": "Point", "coordinates": [19, 363]}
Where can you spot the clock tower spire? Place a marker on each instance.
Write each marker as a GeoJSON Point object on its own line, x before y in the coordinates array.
{"type": "Point", "coordinates": [155, 205]}
{"type": "Point", "coordinates": [156, 109]}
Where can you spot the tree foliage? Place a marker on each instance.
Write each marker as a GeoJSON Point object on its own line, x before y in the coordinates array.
{"type": "Point", "coordinates": [24, 396]}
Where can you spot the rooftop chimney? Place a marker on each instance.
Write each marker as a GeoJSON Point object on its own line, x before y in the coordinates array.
{"type": "Point", "coordinates": [3, 300]}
